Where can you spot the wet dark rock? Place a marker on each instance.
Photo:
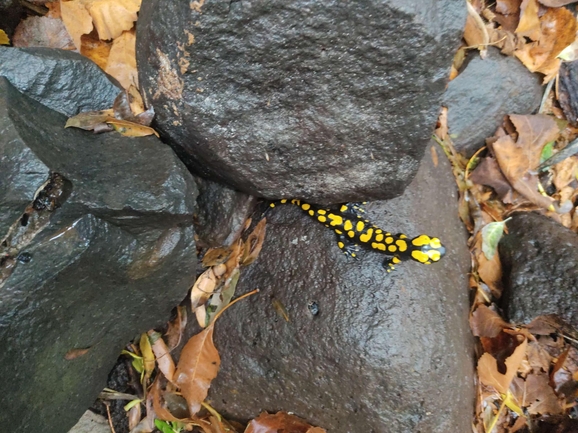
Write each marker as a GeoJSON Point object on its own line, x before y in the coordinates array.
{"type": "Point", "coordinates": [329, 101]}
{"type": "Point", "coordinates": [364, 351]}
{"type": "Point", "coordinates": [220, 213]}
{"type": "Point", "coordinates": [105, 225]}
{"type": "Point", "coordinates": [540, 271]}
{"type": "Point", "coordinates": [486, 91]}
{"type": "Point", "coordinates": [61, 80]}
{"type": "Point", "coordinates": [568, 90]}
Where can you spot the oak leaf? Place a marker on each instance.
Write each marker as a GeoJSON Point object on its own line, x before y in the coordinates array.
{"type": "Point", "coordinates": [488, 369]}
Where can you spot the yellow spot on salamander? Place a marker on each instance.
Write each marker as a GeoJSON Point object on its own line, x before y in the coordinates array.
{"type": "Point", "coordinates": [402, 236]}
{"type": "Point", "coordinates": [353, 255]}
{"type": "Point", "coordinates": [379, 231]}
{"type": "Point", "coordinates": [396, 260]}
{"type": "Point", "coordinates": [366, 237]}
{"type": "Point", "coordinates": [284, 200]}
{"type": "Point", "coordinates": [351, 233]}
{"type": "Point", "coordinates": [402, 245]}
{"type": "Point", "coordinates": [378, 246]}
{"type": "Point", "coordinates": [419, 256]}
{"type": "Point", "coordinates": [389, 240]}
{"type": "Point", "coordinates": [339, 232]}
{"type": "Point", "coordinates": [272, 204]}
{"type": "Point", "coordinates": [343, 208]}
{"type": "Point", "coordinates": [435, 243]}
{"type": "Point", "coordinates": [379, 237]}
{"type": "Point", "coordinates": [305, 206]}
{"type": "Point", "coordinates": [336, 220]}
{"type": "Point", "coordinates": [295, 201]}
{"type": "Point", "coordinates": [321, 211]}
{"type": "Point", "coordinates": [421, 240]}
{"type": "Point", "coordinates": [312, 212]}
{"type": "Point", "coordinates": [360, 225]}
{"type": "Point", "coordinates": [392, 248]}
{"type": "Point", "coordinates": [434, 255]}
{"type": "Point", "coordinates": [348, 225]}
{"type": "Point", "coordinates": [322, 218]}
{"type": "Point", "coordinates": [341, 245]}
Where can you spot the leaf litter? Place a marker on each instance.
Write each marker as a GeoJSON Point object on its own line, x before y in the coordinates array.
{"type": "Point", "coordinates": [530, 372]}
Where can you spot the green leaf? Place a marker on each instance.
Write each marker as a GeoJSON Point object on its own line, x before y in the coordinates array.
{"type": "Point", "coordinates": [163, 426]}
{"type": "Point", "coordinates": [132, 404]}
{"type": "Point", "coordinates": [491, 235]}
{"type": "Point", "coordinates": [547, 152]}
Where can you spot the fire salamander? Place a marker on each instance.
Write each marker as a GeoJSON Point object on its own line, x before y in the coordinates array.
{"type": "Point", "coordinates": [353, 231]}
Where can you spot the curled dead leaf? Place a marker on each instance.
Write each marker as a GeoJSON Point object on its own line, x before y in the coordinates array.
{"type": "Point", "coordinates": [490, 375]}
{"type": "Point", "coordinates": [486, 322]}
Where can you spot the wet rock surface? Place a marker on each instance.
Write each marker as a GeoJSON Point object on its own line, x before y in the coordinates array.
{"type": "Point", "coordinates": [102, 249]}
{"type": "Point", "coordinates": [334, 101]}
{"type": "Point", "coordinates": [384, 353]}
{"type": "Point", "coordinates": [484, 92]}
{"type": "Point", "coordinates": [220, 214]}
{"type": "Point", "coordinates": [61, 80]}
{"type": "Point", "coordinates": [540, 272]}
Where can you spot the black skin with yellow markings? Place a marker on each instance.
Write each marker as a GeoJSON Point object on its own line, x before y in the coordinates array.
{"type": "Point", "coordinates": [354, 231]}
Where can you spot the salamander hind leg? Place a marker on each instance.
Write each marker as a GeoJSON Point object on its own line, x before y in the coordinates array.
{"type": "Point", "coordinates": [389, 264]}
{"type": "Point", "coordinates": [349, 248]}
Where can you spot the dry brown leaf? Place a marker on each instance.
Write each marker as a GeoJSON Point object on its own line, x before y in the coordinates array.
{"type": "Point", "coordinates": [490, 271]}
{"type": "Point", "coordinates": [131, 129]}
{"type": "Point", "coordinates": [529, 25]}
{"type": "Point", "coordinates": [176, 327]}
{"type": "Point", "coordinates": [488, 369]}
{"type": "Point", "coordinates": [112, 17]}
{"type": "Point", "coordinates": [155, 395]}
{"type": "Point", "coordinates": [475, 33]}
{"type": "Point", "coordinates": [507, 7]}
{"type": "Point", "coordinates": [517, 158]}
{"type": "Point", "coordinates": [122, 60]}
{"type": "Point", "coordinates": [557, 31]}
{"type": "Point", "coordinates": [95, 49]}
{"type": "Point", "coordinates": [162, 355]}
{"type": "Point", "coordinates": [254, 243]}
{"type": "Point", "coordinates": [75, 353]}
{"type": "Point", "coordinates": [89, 120]}
{"type": "Point", "coordinates": [488, 173]}
{"type": "Point", "coordinates": [77, 20]}
{"type": "Point", "coordinates": [203, 288]}
{"type": "Point", "coordinates": [42, 32]}
{"type": "Point", "coordinates": [486, 322]}
{"type": "Point", "coordinates": [198, 366]}
{"type": "Point", "coordinates": [280, 422]}
{"type": "Point", "coordinates": [539, 396]}
{"type": "Point", "coordinates": [216, 256]}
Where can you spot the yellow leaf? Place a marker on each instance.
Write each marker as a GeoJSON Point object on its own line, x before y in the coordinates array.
{"type": "Point", "coordinates": [76, 19]}
{"type": "Point", "coordinates": [529, 24]}
{"type": "Point", "coordinates": [147, 354]}
{"type": "Point", "coordinates": [122, 60]}
{"type": "Point", "coordinates": [112, 17]}
{"type": "Point", "coordinates": [4, 40]}
{"type": "Point", "coordinates": [131, 129]}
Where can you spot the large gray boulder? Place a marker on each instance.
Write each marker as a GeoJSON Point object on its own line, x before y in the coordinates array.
{"type": "Point", "coordinates": [61, 80]}
{"type": "Point", "coordinates": [386, 352]}
{"type": "Point", "coordinates": [96, 246]}
{"type": "Point", "coordinates": [329, 101]}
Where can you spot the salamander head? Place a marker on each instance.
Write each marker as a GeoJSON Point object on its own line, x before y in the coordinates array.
{"type": "Point", "coordinates": [426, 249]}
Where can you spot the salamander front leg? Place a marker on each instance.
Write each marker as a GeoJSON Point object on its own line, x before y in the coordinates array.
{"type": "Point", "coordinates": [353, 210]}
{"type": "Point", "coordinates": [389, 264]}
{"type": "Point", "coordinates": [349, 248]}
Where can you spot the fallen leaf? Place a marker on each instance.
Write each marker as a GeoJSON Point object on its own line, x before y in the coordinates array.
{"type": "Point", "coordinates": [221, 300]}
{"type": "Point", "coordinates": [90, 120]}
{"type": "Point", "coordinates": [507, 7]}
{"type": "Point", "coordinates": [162, 355]}
{"type": "Point", "coordinates": [488, 369]}
{"type": "Point", "coordinates": [490, 271]}
{"type": "Point", "coordinates": [488, 173]}
{"type": "Point", "coordinates": [176, 327]}
{"type": "Point", "coordinates": [203, 288]}
{"type": "Point", "coordinates": [77, 20]}
{"type": "Point", "coordinates": [557, 31]}
{"type": "Point", "coordinates": [280, 422]}
{"type": "Point", "coordinates": [147, 355]}
{"type": "Point", "coordinates": [112, 17]}
{"type": "Point", "coordinates": [529, 25]}
{"type": "Point", "coordinates": [475, 33]}
{"type": "Point", "coordinates": [75, 353]}
{"type": "Point", "coordinates": [216, 256]}
{"type": "Point", "coordinates": [485, 322]}
{"type": "Point", "coordinates": [42, 32]}
{"type": "Point", "coordinates": [491, 235]}
{"type": "Point", "coordinates": [254, 243]}
{"type": "Point", "coordinates": [556, 3]}
{"type": "Point", "coordinates": [122, 60]}
{"type": "Point", "coordinates": [537, 395]}
{"type": "Point", "coordinates": [131, 129]}
{"type": "Point", "coordinates": [95, 49]}
{"type": "Point", "coordinates": [4, 39]}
